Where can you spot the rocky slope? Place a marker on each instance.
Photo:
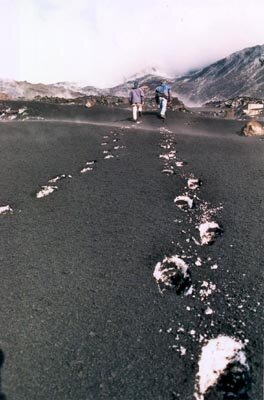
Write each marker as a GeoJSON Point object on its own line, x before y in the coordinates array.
{"type": "Point", "coordinates": [240, 74]}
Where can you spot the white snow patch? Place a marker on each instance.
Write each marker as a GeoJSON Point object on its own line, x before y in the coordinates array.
{"type": "Point", "coordinates": [173, 272]}
{"type": "Point", "coordinates": [183, 350]}
{"type": "Point", "coordinates": [198, 262]}
{"type": "Point", "coordinates": [181, 330]}
{"type": "Point", "coordinates": [207, 289]}
{"type": "Point", "coordinates": [165, 146]}
{"type": "Point", "coordinates": [168, 156]}
{"type": "Point", "coordinates": [22, 110]}
{"type": "Point", "coordinates": [86, 169]}
{"type": "Point", "coordinates": [208, 311]}
{"type": "Point", "coordinates": [183, 202]}
{"type": "Point", "coordinates": [108, 156]}
{"type": "Point", "coordinates": [196, 241]}
{"type": "Point", "coordinates": [189, 291]}
{"type": "Point", "coordinates": [45, 191]}
{"type": "Point", "coordinates": [208, 212]}
{"type": "Point", "coordinates": [208, 232]}
{"type": "Point", "coordinates": [216, 356]}
{"type": "Point", "coordinates": [193, 183]}
{"type": "Point", "coordinates": [168, 171]}
{"type": "Point", "coordinates": [59, 177]}
{"type": "Point", "coordinates": [215, 266]}
{"type": "Point", "coordinates": [6, 210]}
{"type": "Point", "coordinates": [179, 164]}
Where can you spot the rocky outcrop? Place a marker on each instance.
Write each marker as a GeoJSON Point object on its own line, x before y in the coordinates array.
{"type": "Point", "coordinates": [89, 103]}
{"type": "Point", "coordinates": [236, 107]}
{"type": "Point", "coordinates": [253, 128]}
{"type": "Point", "coordinates": [12, 111]}
{"type": "Point", "coordinates": [8, 113]}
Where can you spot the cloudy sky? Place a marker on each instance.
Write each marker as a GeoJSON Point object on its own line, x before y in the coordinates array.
{"type": "Point", "coordinates": [103, 42]}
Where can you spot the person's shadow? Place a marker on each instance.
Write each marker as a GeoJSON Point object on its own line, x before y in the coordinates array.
{"type": "Point", "coordinates": [2, 360]}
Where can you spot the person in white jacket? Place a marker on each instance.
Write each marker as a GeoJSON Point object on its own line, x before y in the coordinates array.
{"type": "Point", "coordinates": [136, 100]}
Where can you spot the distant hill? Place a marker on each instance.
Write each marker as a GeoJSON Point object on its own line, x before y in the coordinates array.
{"type": "Point", "coordinates": [147, 82]}
{"type": "Point", "coordinates": [23, 89]}
{"type": "Point", "coordinates": [240, 74]}
{"type": "Point", "coordinates": [17, 90]}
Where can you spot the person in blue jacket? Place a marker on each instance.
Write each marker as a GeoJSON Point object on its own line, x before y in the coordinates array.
{"type": "Point", "coordinates": [136, 100]}
{"type": "Point", "coordinates": [163, 96]}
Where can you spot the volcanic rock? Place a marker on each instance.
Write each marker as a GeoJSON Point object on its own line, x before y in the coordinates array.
{"type": "Point", "coordinates": [89, 104]}
{"type": "Point", "coordinates": [253, 128]}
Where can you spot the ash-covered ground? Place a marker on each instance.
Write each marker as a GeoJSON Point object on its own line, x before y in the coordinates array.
{"type": "Point", "coordinates": [131, 257]}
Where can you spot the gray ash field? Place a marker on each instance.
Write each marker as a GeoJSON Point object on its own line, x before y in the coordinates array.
{"type": "Point", "coordinates": [82, 316]}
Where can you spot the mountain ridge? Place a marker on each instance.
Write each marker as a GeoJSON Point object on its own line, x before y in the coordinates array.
{"type": "Point", "coordinates": [239, 74]}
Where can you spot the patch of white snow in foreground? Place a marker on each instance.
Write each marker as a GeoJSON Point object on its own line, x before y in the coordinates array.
{"type": "Point", "coordinates": [86, 169]}
{"type": "Point", "coordinates": [22, 110]}
{"type": "Point", "coordinates": [59, 177]}
{"type": "Point", "coordinates": [172, 273]}
{"type": "Point", "coordinates": [222, 357]}
{"type": "Point", "coordinates": [183, 351]}
{"type": "Point", "coordinates": [179, 164]}
{"type": "Point", "coordinates": [193, 183]}
{"type": "Point", "coordinates": [207, 289]}
{"type": "Point", "coordinates": [208, 311]}
{"type": "Point", "coordinates": [168, 156]}
{"type": "Point", "coordinates": [183, 202]}
{"type": "Point", "coordinates": [6, 210]}
{"type": "Point", "coordinates": [209, 232]}
{"type": "Point", "coordinates": [45, 191]}
{"type": "Point", "coordinates": [168, 171]}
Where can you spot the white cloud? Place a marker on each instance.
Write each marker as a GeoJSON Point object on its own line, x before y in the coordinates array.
{"type": "Point", "coordinates": [9, 48]}
{"type": "Point", "coordinates": [104, 41]}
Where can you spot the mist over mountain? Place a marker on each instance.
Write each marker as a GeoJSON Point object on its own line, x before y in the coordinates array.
{"type": "Point", "coordinates": [240, 74]}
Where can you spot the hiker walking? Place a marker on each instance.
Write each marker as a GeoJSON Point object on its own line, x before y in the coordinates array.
{"type": "Point", "coordinates": [163, 96]}
{"type": "Point", "coordinates": [136, 100]}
